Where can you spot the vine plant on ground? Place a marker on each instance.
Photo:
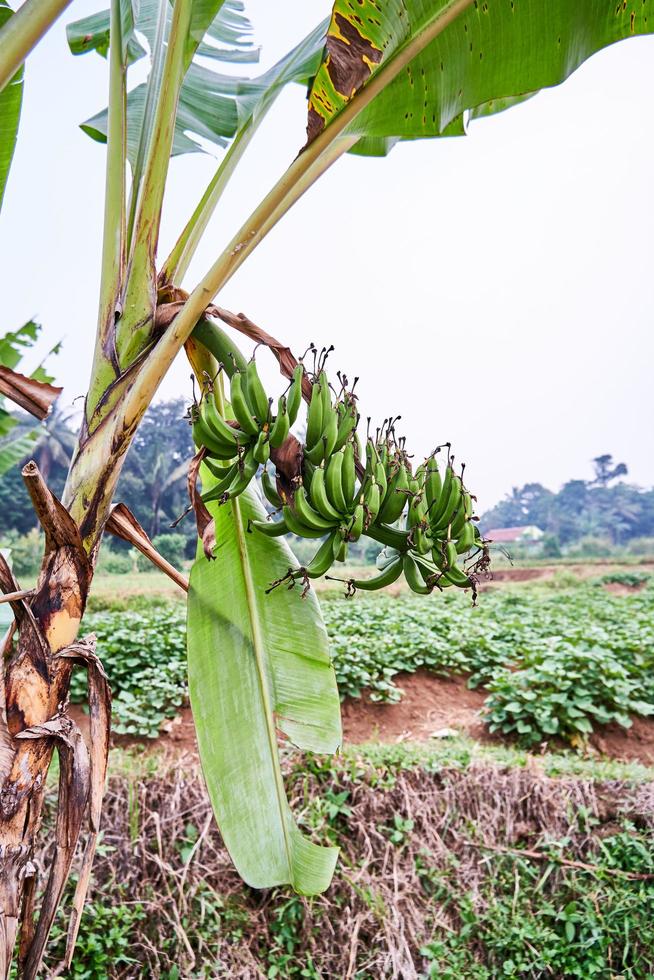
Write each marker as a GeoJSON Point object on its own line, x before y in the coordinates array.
{"type": "Point", "coordinates": [379, 72]}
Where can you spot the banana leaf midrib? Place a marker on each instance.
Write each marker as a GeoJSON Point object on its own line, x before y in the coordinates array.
{"type": "Point", "coordinates": [258, 648]}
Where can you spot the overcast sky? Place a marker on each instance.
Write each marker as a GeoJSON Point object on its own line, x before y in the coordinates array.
{"type": "Point", "coordinates": [494, 290]}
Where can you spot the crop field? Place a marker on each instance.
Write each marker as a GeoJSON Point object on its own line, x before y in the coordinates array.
{"type": "Point", "coordinates": [554, 660]}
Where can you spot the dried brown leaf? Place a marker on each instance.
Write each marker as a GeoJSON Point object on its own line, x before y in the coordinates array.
{"type": "Point", "coordinates": [205, 523]}
{"type": "Point", "coordinates": [124, 525]}
{"type": "Point", "coordinates": [36, 397]}
{"type": "Point", "coordinates": [74, 784]}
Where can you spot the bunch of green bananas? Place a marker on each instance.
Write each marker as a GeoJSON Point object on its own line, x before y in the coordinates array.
{"type": "Point", "coordinates": [338, 498]}
{"type": "Point", "coordinates": [236, 448]}
{"type": "Point", "coordinates": [327, 500]}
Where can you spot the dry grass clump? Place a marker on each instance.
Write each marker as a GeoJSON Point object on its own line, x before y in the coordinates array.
{"type": "Point", "coordinates": [413, 842]}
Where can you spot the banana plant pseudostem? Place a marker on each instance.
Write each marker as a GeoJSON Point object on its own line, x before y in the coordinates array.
{"type": "Point", "coordinates": [378, 72]}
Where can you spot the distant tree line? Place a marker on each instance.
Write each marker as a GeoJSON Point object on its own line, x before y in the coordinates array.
{"type": "Point", "coordinates": [600, 509]}
{"type": "Point", "coordinates": [152, 484]}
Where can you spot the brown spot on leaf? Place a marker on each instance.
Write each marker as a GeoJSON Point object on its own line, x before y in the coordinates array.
{"type": "Point", "coordinates": [349, 58]}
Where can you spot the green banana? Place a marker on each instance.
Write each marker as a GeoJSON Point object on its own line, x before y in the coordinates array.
{"type": "Point", "coordinates": [314, 417]}
{"type": "Point", "coordinates": [466, 539]}
{"type": "Point", "coordinates": [349, 473]}
{"type": "Point", "coordinates": [355, 529]}
{"type": "Point", "coordinates": [296, 526]}
{"type": "Point", "coordinates": [203, 436]}
{"type": "Point", "coordinates": [461, 515]}
{"type": "Point", "coordinates": [346, 425]}
{"type": "Point", "coordinates": [334, 484]}
{"type": "Point", "coordinates": [272, 529]}
{"type": "Point", "coordinates": [372, 499]}
{"type": "Point", "coordinates": [438, 509]}
{"type": "Point", "coordinates": [318, 495]}
{"type": "Point", "coordinates": [220, 472]}
{"type": "Point", "coordinates": [433, 484]}
{"type": "Point", "coordinates": [317, 453]}
{"type": "Point", "coordinates": [261, 451]}
{"type": "Point", "coordinates": [218, 489]}
{"type": "Point", "coordinates": [421, 540]}
{"type": "Point", "coordinates": [219, 426]}
{"type": "Point", "coordinates": [330, 432]}
{"type": "Point", "coordinates": [256, 393]}
{"type": "Point", "coordinates": [307, 515]}
{"type": "Point", "coordinates": [241, 481]}
{"type": "Point", "coordinates": [390, 574]}
{"type": "Point", "coordinates": [281, 425]}
{"type": "Point", "coordinates": [270, 490]}
{"type": "Point", "coordinates": [294, 399]}
{"type": "Point", "coordinates": [323, 559]}
{"type": "Point", "coordinates": [396, 498]}
{"type": "Point", "coordinates": [449, 555]}
{"type": "Point", "coordinates": [240, 405]}
{"type": "Point", "coordinates": [451, 510]}
{"type": "Point", "coordinates": [380, 477]}
{"type": "Point", "coordinates": [413, 577]}
{"type": "Point", "coordinates": [390, 536]}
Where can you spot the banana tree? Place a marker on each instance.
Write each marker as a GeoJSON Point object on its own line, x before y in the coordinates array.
{"type": "Point", "coordinates": [377, 71]}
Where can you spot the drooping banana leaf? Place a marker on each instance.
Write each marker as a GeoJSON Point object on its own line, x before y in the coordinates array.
{"type": "Point", "coordinates": [10, 103]}
{"type": "Point", "coordinates": [455, 56]}
{"type": "Point", "coordinates": [208, 102]}
{"type": "Point", "coordinates": [214, 106]}
{"type": "Point", "coordinates": [258, 664]}
{"type": "Point", "coordinates": [15, 447]}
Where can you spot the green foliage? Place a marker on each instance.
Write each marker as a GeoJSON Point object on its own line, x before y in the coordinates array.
{"type": "Point", "coordinates": [550, 547]}
{"type": "Point", "coordinates": [104, 943]}
{"type": "Point", "coordinates": [514, 642]}
{"type": "Point", "coordinates": [145, 658]}
{"type": "Point", "coordinates": [26, 553]}
{"type": "Point", "coordinates": [589, 518]}
{"type": "Point", "coordinates": [632, 580]}
{"type": "Point", "coordinates": [562, 694]}
{"type": "Point", "coordinates": [112, 562]}
{"type": "Point", "coordinates": [172, 547]}
{"type": "Point", "coordinates": [641, 546]}
{"type": "Point", "coordinates": [588, 924]}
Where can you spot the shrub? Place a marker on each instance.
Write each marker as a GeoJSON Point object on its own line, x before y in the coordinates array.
{"type": "Point", "coordinates": [26, 553]}
{"type": "Point", "coordinates": [562, 694]}
{"type": "Point", "coordinates": [549, 546]}
{"type": "Point", "coordinates": [632, 580]}
{"type": "Point", "coordinates": [591, 547]}
{"type": "Point", "coordinates": [643, 547]}
{"type": "Point", "coordinates": [172, 547]}
{"type": "Point", "coordinates": [115, 562]}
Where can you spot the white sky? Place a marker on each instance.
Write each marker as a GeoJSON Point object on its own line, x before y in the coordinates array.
{"type": "Point", "coordinates": [495, 290]}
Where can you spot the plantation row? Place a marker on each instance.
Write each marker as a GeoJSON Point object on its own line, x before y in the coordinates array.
{"type": "Point", "coordinates": [554, 664]}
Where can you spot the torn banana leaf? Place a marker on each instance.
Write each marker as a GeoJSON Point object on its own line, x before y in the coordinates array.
{"type": "Point", "coordinates": [258, 664]}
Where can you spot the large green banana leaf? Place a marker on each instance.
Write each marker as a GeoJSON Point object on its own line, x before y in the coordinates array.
{"type": "Point", "coordinates": [492, 54]}
{"type": "Point", "coordinates": [10, 102]}
{"type": "Point", "coordinates": [258, 664]}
